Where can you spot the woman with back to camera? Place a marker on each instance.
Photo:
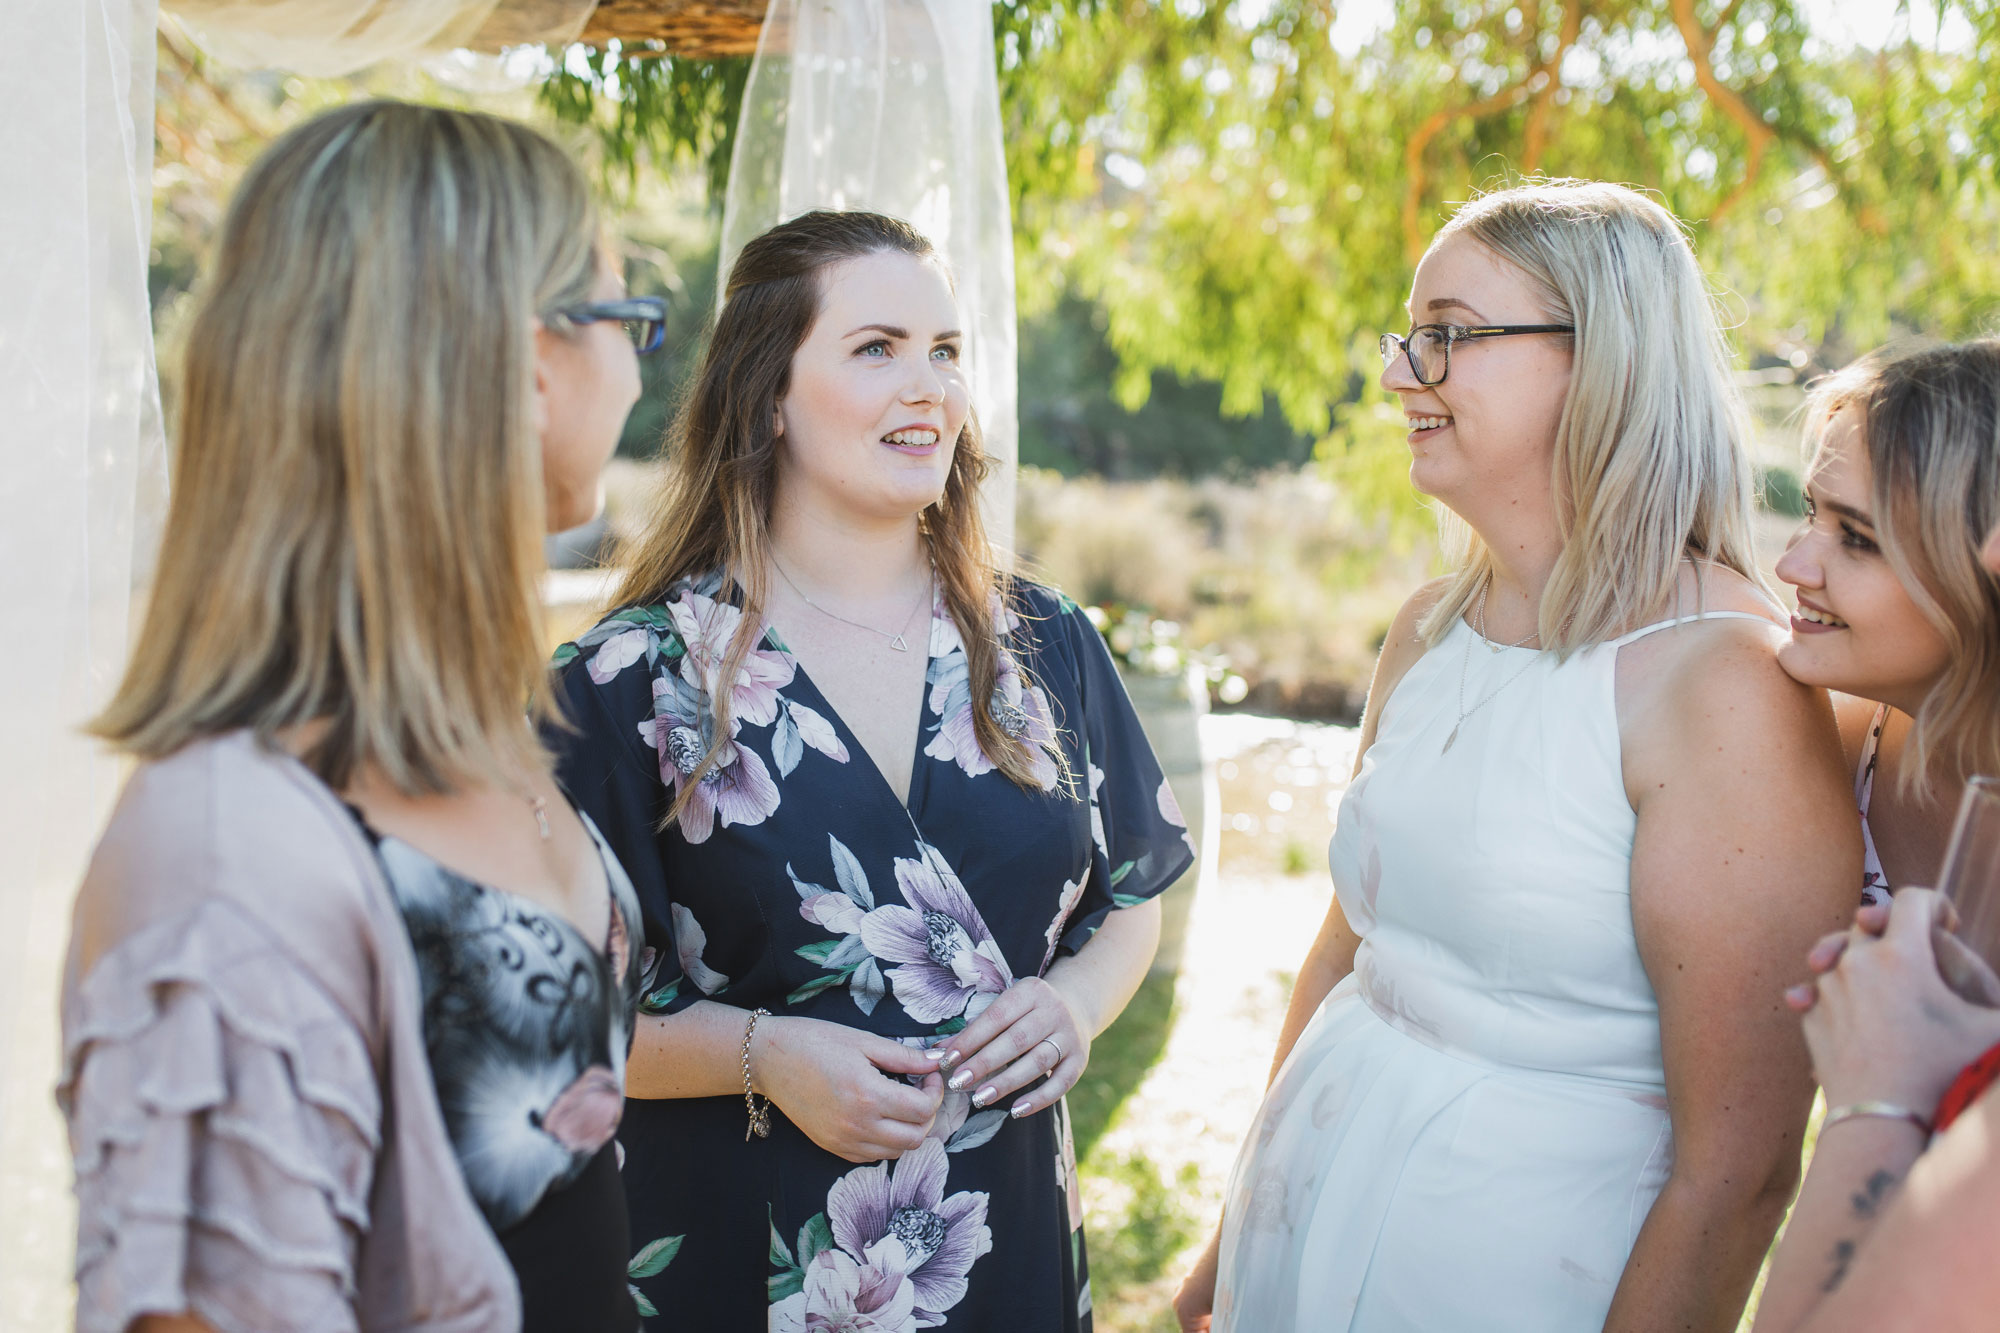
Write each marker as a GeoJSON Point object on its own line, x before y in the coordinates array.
{"type": "Point", "coordinates": [351, 985]}
{"type": "Point", "coordinates": [893, 823]}
{"type": "Point", "coordinates": [1898, 617]}
{"type": "Point", "coordinates": [1534, 1075]}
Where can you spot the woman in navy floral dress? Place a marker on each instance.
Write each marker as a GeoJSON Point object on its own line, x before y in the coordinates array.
{"type": "Point", "coordinates": [934, 870]}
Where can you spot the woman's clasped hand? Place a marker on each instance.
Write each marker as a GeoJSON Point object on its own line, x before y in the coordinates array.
{"type": "Point", "coordinates": [849, 1090]}
{"type": "Point", "coordinates": [1881, 1021]}
{"type": "Point", "coordinates": [1027, 1036]}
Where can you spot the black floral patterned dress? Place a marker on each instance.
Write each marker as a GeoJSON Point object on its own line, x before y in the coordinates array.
{"type": "Point", "coordinates": [797, 881]}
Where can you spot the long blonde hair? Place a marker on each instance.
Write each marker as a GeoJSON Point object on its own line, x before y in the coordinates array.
{"type": "Point", "coordinates": [1931, 421]}
{"type": "Point", "coordinates": [1650, 466]}
{"type": "Point", "coordinates": [722, 469]}
{"type": "Point", "coordinates": [355, 533]}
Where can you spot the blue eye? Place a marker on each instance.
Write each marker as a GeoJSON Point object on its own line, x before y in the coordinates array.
{"type": "Point", "coordinates": [1851, 538]}
{"type": "Point", "coordinates": [947, 351]}
{"type": "Point", "coordinates": [879, 345]}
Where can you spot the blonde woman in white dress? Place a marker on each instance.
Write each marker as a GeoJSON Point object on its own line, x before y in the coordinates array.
{"type": "Point", "coordinates": [1537, 1074]}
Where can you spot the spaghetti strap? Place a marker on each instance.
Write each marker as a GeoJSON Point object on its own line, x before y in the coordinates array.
{"type": "Point", "coordinates": [1641, 633]}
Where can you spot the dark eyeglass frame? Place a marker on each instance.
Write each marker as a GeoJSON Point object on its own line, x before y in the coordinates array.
{"type": "Point", "coordinates": [648, 312]}
{"type": "Point", "coordinates": [1455, 333]}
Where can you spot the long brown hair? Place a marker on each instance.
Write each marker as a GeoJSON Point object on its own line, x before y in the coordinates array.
{"type": "Point", "coordinates": [356, 528]}
{"type": "Point", "coordinates": [714, 508]}
{"type": "Point", "coordinates": [1930, 417]}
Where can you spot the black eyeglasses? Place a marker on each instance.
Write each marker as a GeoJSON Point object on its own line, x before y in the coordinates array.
{"type": "Point", "coordinates": [1428, 346]}
{"type": "Point", "coordinates": [644, 318]}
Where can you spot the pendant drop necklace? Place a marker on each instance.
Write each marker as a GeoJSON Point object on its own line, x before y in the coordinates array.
{"type": "Point", "coordinates": [1478, 631]}
{"type": "Point", "coordinates": [896, 640]}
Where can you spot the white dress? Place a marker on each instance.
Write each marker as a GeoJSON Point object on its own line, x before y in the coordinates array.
{"type": "Point", "coordinates": [1471, 1130]}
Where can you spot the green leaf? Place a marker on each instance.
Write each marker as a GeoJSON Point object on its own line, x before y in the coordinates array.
{"type": "Point", "coordinates": [781, 1257]}
{"type": "Point", "coordinates": [1118, 875]}
{"type": "Point", "coordinates": [780, 1285]}
{"type": "Point", "coordinates": [946, 1029]}
{"type": "Point", "coordinates": [814, 1237]}
{"type": "Point", "coordinates": [656, 1002]}
{"type": "Point", "coordinates": [818, 951]}
{"type": "Point", "coordinates": [654, 1257]}
{"type": "Point", "coordinates": [565, 654]}
{"type": "Point", "coordinates": [639, 1301]}
{"type": "Point", "coordinates": [1128, 899]}
{"type": "Point", "coordinates": [816, 985]}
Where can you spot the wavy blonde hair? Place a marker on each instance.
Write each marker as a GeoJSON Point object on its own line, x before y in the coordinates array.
{"type": "Point", "coordinates": [722, 457]}
{"type": "Point", "coordinates": [1930, 417]}
{"type": "Point", "coordinates": [355, 532]}
{"type": "Point", "coordinates": [1650, 466]}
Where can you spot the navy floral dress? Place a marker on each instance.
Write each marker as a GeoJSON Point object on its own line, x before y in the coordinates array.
{"type": "Point", "coordinates": [797, 881]}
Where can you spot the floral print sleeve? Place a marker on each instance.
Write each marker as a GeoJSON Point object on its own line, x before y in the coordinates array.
{"type": "Point", "coordinates": [796, 880]}
{"type": "Point", "coordinates": [1140, 839]}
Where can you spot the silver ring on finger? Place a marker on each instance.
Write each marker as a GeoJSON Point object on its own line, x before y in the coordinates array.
{"type": "Point", "coordinates": [1055, 1046]}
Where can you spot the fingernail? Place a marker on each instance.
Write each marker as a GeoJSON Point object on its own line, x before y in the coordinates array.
{"type": "Point", "coordinates": [935, 1053]}
{"type": "Point", "coordinates": [959, 1080]}
{"type": "Point", "coordinates": [1019, 1109]}
{"type": "Point", "coordinates": [1799, 994]}
{"type": "Point", "coordinates": [983, 1096]}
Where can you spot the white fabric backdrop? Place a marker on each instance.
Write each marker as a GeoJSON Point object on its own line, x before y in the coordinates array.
{"type": "Point", "coordinates": [82, 448]}
{"type": "Point", "coordinates": [893, 106]}
{"type": "Point", "coordinates": [326, 38]}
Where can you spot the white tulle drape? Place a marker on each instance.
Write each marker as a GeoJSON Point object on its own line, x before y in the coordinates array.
{"type": "Point", "coordinates": [325, 38]}
{"type": "Point", "coordinates": [83, 468]}
{"type": "Point", "coordinates": [893, 106]}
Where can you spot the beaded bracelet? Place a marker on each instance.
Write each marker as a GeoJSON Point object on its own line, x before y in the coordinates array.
{"type": "Point", "coordinates": [1873, 1110]}
{"type": "Point", "coordinates": [759, 1106]}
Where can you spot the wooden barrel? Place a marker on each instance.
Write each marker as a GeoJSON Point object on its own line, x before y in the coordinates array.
{"type": "Point", "coordinates": [1170, 708]}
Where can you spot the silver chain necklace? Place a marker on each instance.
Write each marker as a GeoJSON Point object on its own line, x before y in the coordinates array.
{"type": "Point", "coordinates": [1479, 620]}
{"type": "Point", "coordinates": [896, 640]}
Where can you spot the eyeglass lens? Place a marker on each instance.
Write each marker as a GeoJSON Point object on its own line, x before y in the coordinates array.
{"type": "Point", "coordinates": [646, 334]}
{"type": "Point", "coordinates": [1428, 351]}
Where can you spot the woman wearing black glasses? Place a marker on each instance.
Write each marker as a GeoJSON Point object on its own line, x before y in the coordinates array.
{"type": "Point", "coordinates": [1535, 1074]}
{"type": "Point", "coordinates": [351, 984]}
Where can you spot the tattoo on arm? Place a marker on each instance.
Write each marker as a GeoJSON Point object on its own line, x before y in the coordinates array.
{"type": "Point", "coordinates": [1866, 1202]}
{"type": "Point", "coordinates": [1843, 1254]}
{"type": "Point", "coordinates": [1869, 1200]}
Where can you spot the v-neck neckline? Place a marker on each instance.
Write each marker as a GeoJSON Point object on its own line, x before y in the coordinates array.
{"type": "Point", "coordinates": [919, 786]}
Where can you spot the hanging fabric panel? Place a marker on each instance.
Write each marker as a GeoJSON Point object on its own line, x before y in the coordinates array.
{"type": "Point", "coordinates": [84, 461]}
{"type": "Point", "coordinates": [327, 38]}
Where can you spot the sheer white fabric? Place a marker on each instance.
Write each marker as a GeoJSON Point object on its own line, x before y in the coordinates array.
{"type": "Point", "coordinates": [82, 445]}
{"type": "Point", "coordinates": [893, 106]}
{"type": "Point", "coordinates": [326, 38]}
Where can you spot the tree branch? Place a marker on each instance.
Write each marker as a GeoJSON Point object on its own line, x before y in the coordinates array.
{"type": "Point", "coordinates": [1537, 136]}
{"type": "Point", "coordinates": [1759, 134]}
{"type": "Point", "coordinates": [1700, 42]}
{"type": "Point", "coordinates": [1512, 95]}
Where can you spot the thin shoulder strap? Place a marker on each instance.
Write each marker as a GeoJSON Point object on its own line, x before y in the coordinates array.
{"type": "Point", "coordinates": [1641, 633]}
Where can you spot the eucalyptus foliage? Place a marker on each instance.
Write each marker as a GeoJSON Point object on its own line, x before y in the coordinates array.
{"type": "Point", "coordinates": [1245, 201]}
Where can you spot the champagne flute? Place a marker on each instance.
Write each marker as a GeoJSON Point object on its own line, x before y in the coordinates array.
{"type": "Point", "coordinates": [1970, 882]}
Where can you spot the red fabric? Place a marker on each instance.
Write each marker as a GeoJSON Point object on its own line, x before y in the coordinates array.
{"type": "Point", "coordinates": [1972, 1081]}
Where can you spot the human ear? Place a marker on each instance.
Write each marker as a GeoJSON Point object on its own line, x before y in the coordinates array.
{"type": "Point", "coordinates": [1989, 555]}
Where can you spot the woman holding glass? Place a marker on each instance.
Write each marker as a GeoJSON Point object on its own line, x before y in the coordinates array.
{"type": "Point", "coordinates": [1533, 1075]}
{"type": "Point", "coordinates": [1899, 611]}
